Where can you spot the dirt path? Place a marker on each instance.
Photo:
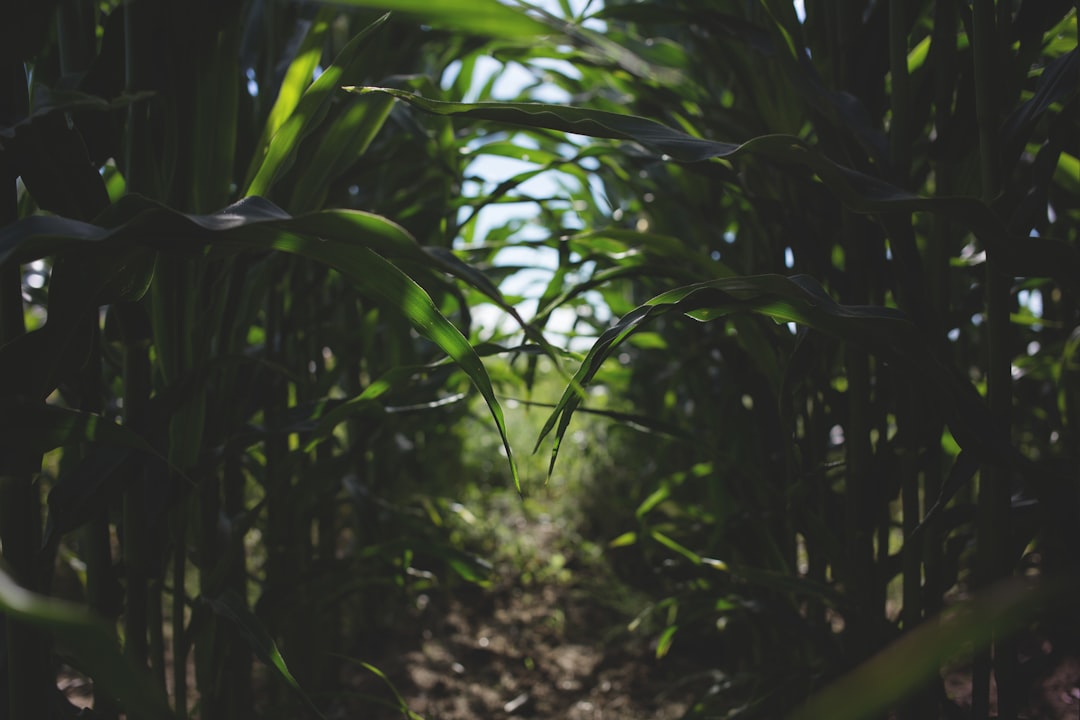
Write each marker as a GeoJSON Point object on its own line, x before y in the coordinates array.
{"type": "Point", "coordinates": [535, 644]}
{"type": "Point", "coordinates": [554, 644]}
{"type": "Point", "coordinates": [530, 655]}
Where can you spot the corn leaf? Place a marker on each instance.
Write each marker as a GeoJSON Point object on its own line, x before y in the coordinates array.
{"type": "Point", "coordinates": [1027, 256]}
{"type": "Point", "coordinates": [481, 17]}
{"type": "Point", "coordinates": [352, 242]}
{"type": "Point", "coordinates": [232, 607]}
{"type": "Point", "coordinates": [91, 642]}
{"type": "Point", "coordinates": [886, 332]}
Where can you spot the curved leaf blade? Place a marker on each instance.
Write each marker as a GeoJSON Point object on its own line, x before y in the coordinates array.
{"type": "Point", "coordinates": [481, 17]}
{"type": "Point", "coordinates": [1027, 256]}
{"type": "Point", "coordinates": [352, 242]}
{"type": "Point", "coordinates": [91, 642]}
{"type": "Point", "coordinates": [886, 332]}
{"type": "Point", "coordinates": [312, 107]}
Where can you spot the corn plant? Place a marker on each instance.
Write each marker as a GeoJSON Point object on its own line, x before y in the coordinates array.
{"type": "Point", "coordinates": [215, 378]}
{"type": "Point", "coordinates": [840, 248]}
{"type": "Point", "coordinates": [870, 211]}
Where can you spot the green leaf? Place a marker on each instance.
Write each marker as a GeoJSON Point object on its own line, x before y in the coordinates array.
{"type": "Point", "coordinates": [1026, 256]}
{"type": "Point", "coordinates": [346, 139]}
{"type": "Point", "coordinates": [634, 421]}
{"type": "Point", "coordinates": [657, 496]}
{"type": "Point", "coordinates": [231, 606]}
{"type": "Point", "coordinates": [886, 332]}
{"type": "Point", "coordinates": [281, 149]}
{"type": "Point", "coordinates": [298, 77]}
{"type": "Point", "coordinates": [887, 678]}
{"type": "Point", "coordinates": [92, 644]}
{"type": "Point", "coordinates": [385, 282]}
{"type": "Point", "coordinates": [402, 705]}
{"type": "Point", "coordinates": [672, 545]}
{"type": "Point", "coordinates": [480, 17]}
{"type": "Point", "coordinates": [352, 242]}
{"type": "Point", "coordinates": [594, 123]}
{"type": "Point", "coordinates": [663, 643]}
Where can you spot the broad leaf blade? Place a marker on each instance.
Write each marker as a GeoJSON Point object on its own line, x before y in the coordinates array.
{"type": "Point", "coordinates": [352, 242]}
{"type": "Point", "coordinates": [1026, 256]}
{"type": "Point", "coordinates": [311, 109]}
{"type": "Point", "coordinates": [91, 642]}
{"type": "Point", "coordinates": [481, 17]}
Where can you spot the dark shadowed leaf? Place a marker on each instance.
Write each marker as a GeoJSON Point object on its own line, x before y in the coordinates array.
{"type": "Point", "coordinates": [799, 299]}
{"type": "Point", "coordinates": [45, 427]}
{"type": "Point", "coordinates": [895, 672]}
{"type": "Point", "coordinates": [1058, 80]}
{"type": "Point", "coordinates": [352, 242]}
{"type": "Point", "coordinates": [91, 643]}
{"type": "Point", "coordinates": [1027, 256]}
{"type": "Point", "coordinates": [232, 607]}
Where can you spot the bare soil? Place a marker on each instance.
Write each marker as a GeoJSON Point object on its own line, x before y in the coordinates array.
{"type": "Point", "coordinates": [530, 646]}
{"type": "Point", "coordinates": [543, 653]}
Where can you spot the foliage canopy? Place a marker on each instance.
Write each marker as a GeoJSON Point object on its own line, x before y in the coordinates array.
{"type": "Point", "coordinates": [241, 251]}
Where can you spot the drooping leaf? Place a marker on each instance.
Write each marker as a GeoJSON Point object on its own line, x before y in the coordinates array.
{"type": "Point", "coordinates": [594, 123]}
{"type": "Point", "coordinates": [1027, 256]}
{"type": "Point", "coordinates": [352, 242]}
{"type": "Point", "coordinates": [634, 421]}
{"type": "Point", "coordinates": [883, 331]}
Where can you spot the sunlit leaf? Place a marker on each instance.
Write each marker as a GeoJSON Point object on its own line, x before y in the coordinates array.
{"type": "Point", "coordinates": [482, 17]}
{"type": "Point", "coordinates": [664, 642]}
{"type": "Point", "coordinates": [284, 140]}
{"type": "Point", "coordinates": [657, 496]}
{"type": "Point", "coordinates": [671, 544]}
